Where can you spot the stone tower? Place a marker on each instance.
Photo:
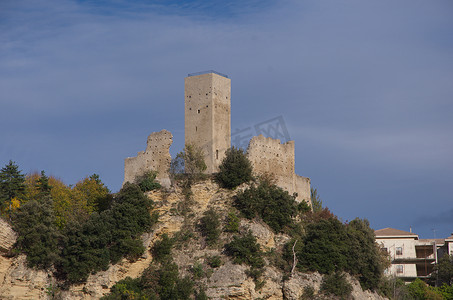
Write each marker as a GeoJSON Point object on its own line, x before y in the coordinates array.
{"type": "Point", "coordinates": [207, 115]}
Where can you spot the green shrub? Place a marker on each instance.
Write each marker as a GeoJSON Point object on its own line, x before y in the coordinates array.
{"type": "Point", "coordinates": [209, 226]}
{"type": "Point", "coordinates": [197, 271]}
{"type": "Point", "coordinates": [147, 182]}
{"type": "Point", "coordinates": [245, 250]}
{"type": "Point", "coordinates": [308, 293]}
{"type": "Point", "coordinates": [445, 290]}
{"type": "Point", "coordinates": [232, 222]}
{"type": "Point", "coordinates": [214, 261]}
{"type": "Point", "coordinates": [303, 207]}
{"type": "Point", "coordinates": [235, 169]}
{"type": "Point", "coordinates": [336, 284]}
{"type": "Point", "coordinates": [126, 288]}
{"type": "Point", "coordinates": [183, 236]}
{"type": "Point", "coordinates": [255, 273]}
{"type": "Point", "coordinates": [268, 201]}
{"type": "Point", "coordinates": [161, 249]}
{"type": "Point", "coordinates": [184, 288]}
{"type": "Point", "coordinates": [162, 283]}
{"type": "Point", "coordinates": [201, 295]}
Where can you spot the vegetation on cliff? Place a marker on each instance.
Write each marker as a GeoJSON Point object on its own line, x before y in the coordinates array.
{"type": "Point", "coordinates": [235, 169]}
{"type": "Point", "coordinates": [74, 230]}
{"type": "Point", "coordinates": [79, 230]}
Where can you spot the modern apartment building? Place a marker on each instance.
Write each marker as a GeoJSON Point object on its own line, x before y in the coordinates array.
{"type": "Point", "coordinates": [411, 256]}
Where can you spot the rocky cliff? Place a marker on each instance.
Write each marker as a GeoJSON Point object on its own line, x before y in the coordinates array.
{"type": "Point", "coordinates": [176, 212]}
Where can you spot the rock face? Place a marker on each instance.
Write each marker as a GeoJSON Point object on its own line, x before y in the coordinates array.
{"type": "Point", "coordinates": [294, 287]}
{"type": "Point", "coordinates": [16, 280]}
{"type": "Point", "coordinates": [7, 236]}
{"type": "Point", "coordinates": [228, 281]}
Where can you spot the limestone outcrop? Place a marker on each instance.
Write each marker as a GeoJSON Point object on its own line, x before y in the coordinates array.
{"type": "Point", "coordinates": [7, 236]}
{"type": "Point", "coordinates": [228, 281]}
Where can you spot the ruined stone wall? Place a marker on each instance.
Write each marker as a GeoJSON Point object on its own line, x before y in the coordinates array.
{"type": "Point", "coordinates": [269, 156]}
{"type": "Point", "coordinates": [156, 157]}
{"type": "Point", "coordinates": [207, 116]}
{"type": "Point", "coordinates": [303, 188]}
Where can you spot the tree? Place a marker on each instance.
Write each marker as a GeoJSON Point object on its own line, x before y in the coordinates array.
{"type": "Point", "coordinates": [275, 206]}
{"type": "Point", "coordinates": [316, 202]}
{"type": "Point", "coordinates": [91, 194]}
{"type": "Point", "coordinates": [445, 269]}
{"type": "Point", "coordinates": [11, 184]}
{"type": "Point", "coordinates": [235, 169]}
{"type": "Point", "coordinates": [38, 236]}
{"type": "Point", "coordinates": [43, 185]}
{"type": "Point", "coordinates": [330, 246]}
{"type": "Point", "coordinates": [324, 247]}
{"type": "Point", "coordinates": [245, 249]}
{"type": "Point", "coordinates": [147, 181]}
{"type": "Point", "coordinates": [209, 226]}
{"type": "Point", "coordinates": [189, 161]}
{"type": "Point", "coordinates": [364, 256]}
{"type": "Point", "coordinates": [336, 284]}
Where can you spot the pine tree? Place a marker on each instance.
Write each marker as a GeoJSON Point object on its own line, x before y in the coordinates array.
{"type": "Point", "coordinates": [43, 185]}
{"type": "Point", "coordinates": [316, 202]}
{"type": "Point", "coordinates": [11, 184]}
{"type": "Point", "coordinates": [235, 169]}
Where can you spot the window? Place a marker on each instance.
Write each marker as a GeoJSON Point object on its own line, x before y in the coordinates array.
{"type": "Point", "coordinates": [399, 269]}
{"type": "Point", "coordinates": [399, 250]}
{"type": "Point", "coordinates": [198, 111]}
{"type": "Point", "coordinates": [217, 154]}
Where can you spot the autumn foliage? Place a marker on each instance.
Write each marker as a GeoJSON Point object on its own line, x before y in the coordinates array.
{"type": "Point", "coordinates": [70, 202]}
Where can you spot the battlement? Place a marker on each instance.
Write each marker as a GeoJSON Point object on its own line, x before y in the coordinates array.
{"type": "Point", "coordinates": [270, 156]}
{"type": "Point", "coordinates": [206, 72]}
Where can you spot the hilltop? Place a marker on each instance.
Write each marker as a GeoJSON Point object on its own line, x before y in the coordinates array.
{"type": "Point", "coordinates": [190, 241]}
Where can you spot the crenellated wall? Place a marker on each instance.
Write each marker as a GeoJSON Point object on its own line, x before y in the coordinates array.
{"type": "Point", "coordinates": [269, 156]}
{"type": "Point", "coordinates": [156, 157]}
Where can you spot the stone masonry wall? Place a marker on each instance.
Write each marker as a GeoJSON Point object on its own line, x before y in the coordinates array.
{"type": "Point", "coordinates": [207, 116]}
{"type": "Point", "coordinates": [269, 156]}
{"type": "Point", "coordinates": [156, 157]}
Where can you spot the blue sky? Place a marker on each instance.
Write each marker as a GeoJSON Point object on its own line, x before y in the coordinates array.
{"type": "Point", "coordinates": [365, 89]}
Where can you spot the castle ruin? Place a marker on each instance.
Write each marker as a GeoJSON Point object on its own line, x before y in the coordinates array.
{"type": "Point", "coordinates": [207, 117]}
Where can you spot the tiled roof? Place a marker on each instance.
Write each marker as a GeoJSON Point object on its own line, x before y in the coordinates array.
{"type": "Point", "coordinates": [392, 231]}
